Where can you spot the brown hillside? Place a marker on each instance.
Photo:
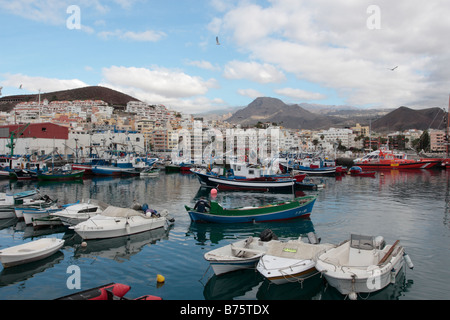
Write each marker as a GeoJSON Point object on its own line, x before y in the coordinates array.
{"type": "Point", "coordinates": [405, 118]}
{"type": "Point", "coordinates": [110, 96]}
{"type": "Point", "coordinates": [266, 109]}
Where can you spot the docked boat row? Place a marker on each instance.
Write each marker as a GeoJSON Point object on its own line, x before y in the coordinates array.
{"type": "Point", "coordinates": [127, 165]}
{"type": "Point", "coordinates": [312, 165]}
{"type": "Point", "coordinates": [118, 166]}
{"type": "Point", "coordinates": [244, 177]}
{"type": "Point", "coordinates": [10, 203]}
{"type": "Point", "coordinates": [90, 220]}
{"type": "Point", "coordinates": [360, 265]}
{"type": "Point", "coordinates": [93, 219]}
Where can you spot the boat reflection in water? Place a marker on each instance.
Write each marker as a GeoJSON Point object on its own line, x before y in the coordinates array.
{"type": "Point", "coordinates": [215, 232]}
{"type": "Point", "coordinates": [119, 248]}
{"type": "Point", "coordinates": [21, 273]}
{"type": "Point", "coordinates": [250, 285]}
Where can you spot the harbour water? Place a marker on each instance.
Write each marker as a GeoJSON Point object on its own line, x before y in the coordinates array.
{"type": "Point", "coordinates": [412, 206]}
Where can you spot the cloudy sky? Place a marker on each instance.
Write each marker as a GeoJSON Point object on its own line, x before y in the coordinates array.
{"type": "Point", "coordinates": [334, 52]}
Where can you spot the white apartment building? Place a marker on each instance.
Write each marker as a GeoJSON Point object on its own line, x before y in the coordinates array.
{"type": "Point", "coordinates": [334, 135]}
{"type": "Point", "coordinates": [32, 111]}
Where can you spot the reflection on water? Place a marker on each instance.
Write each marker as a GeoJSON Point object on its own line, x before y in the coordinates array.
{"type": "Point", "coordinates": [205, 233]}
{"type": "Point", "coordinates": [411, 206]}
{"type": "Point", "coordinates": [120, 248]}
{"type": "Point", "coordinates": [23, 272]}
{"type": "Point", "coordinates": [250, 285]}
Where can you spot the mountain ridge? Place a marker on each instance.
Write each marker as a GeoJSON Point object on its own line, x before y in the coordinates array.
{"type": "Point", "coordinates": [296, 116]}
{"type": "Point", "coordinates": [110, 96]}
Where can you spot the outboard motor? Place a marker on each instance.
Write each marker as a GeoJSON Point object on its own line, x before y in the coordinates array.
{"type": "Point", "coordinates": [379, 242]}
{"type": "Point", "coordinates": [312, 238]}
{"type": "Point", "coordinates": [267, 235]}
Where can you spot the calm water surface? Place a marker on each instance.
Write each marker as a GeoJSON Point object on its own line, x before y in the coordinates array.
{"type": "Point", "coordinates": [410, 206]}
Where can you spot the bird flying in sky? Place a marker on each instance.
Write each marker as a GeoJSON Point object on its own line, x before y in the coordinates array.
{"type": "Point", "coordinates": [392, 69]}
{"type": "Point", "coordinates": [217, 41]}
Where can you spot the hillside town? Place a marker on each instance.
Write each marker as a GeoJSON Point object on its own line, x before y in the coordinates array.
{"type": "Point", "coordinates": [80, 128]}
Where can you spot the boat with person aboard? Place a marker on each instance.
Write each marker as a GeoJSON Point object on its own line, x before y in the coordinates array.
{"type": "Point", "coordinates": [284, 210]}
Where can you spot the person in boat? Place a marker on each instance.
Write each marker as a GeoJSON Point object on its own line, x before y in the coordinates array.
{"type": "Point", "coordinates": [149, 211]}
{"type": "Point", "coordinates": [201, 205]}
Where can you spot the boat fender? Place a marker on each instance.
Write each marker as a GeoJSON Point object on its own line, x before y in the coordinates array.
{"type": "Point", "coordinates": [127, 227]}
{"type": "Point", "coordinates": [352, 296]}
{"type": "Point", "coordinates": [408, 261]}
{"type": "Point", "coordinates": [392, 276]}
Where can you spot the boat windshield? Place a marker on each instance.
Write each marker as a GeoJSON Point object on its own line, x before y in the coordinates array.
{"type": "Point", "coordinates": [362, 242]}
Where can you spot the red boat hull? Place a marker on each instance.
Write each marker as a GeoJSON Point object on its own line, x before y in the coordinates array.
{"type": "Point", "coordinates": [86, 167]}
{"type": "Point", "coordinates": [112, 291]}
{"type": "Point", "coordinates": [398, 165]}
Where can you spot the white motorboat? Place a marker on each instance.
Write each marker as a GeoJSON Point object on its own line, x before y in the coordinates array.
{"type": "Point", "coordinates": [31, 213]}
{"type": "Point", "coordinates": [31, 204]}
{"type": "Point", "coordinates": [29, 252]}
{"type": "Point", "coordinates": [79, 212]}
{"type": "Point", "coordinates": [242, 254]}
{"type": "Point", "coordinates": [363, 264]}
{"type": "Point", "coordinates": [8, 203]}
{"type": "Point", "coordinates": [117, 222]}
{"type": "Point", "coordinates": [290, 261]}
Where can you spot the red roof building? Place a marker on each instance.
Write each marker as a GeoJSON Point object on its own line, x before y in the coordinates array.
{"type": "Point", "coordinates": [46, 130]}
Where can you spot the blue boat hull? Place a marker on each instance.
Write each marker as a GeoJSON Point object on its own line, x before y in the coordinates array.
{"type": "Point", "coordinates": [298, 212]}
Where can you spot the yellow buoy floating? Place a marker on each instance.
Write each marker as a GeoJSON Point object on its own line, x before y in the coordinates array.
{"type": "Point", "coordinates": [160, 278]}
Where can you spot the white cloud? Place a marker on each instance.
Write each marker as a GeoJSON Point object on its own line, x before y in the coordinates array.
{"type": "Point", "coordinates": [203, 65]}
{"type": "Point", "coordinates": [34, 84]}
{"type": "Point", "coordinates": [157, 85]}
{"type": "Point", "coordinates": [162, 81]}
{"type": "Point", "coordinates": [252, 93]}
{"type": "Point", "coordinates": [50, 11]}
{"type": "Point", "coordinates": [328, 43]}
{"type": "Point", "coordinates": [300, 94]}
{"type": "Point", "coordinates": [148, 35]}
{"type": "Point", "coordinates": [261, 73]}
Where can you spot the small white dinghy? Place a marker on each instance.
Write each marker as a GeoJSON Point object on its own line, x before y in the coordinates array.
{"type": "Point", "coordinates": [242, 254]}
{"type": "Point", "coordinates": [290, 261]}
{"type": "Point", "coordinates": [116, 222]}
{"type": "Point", "coordinates": [30, 251]}
{"type": "Point", "coordinates": [363, 264]}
